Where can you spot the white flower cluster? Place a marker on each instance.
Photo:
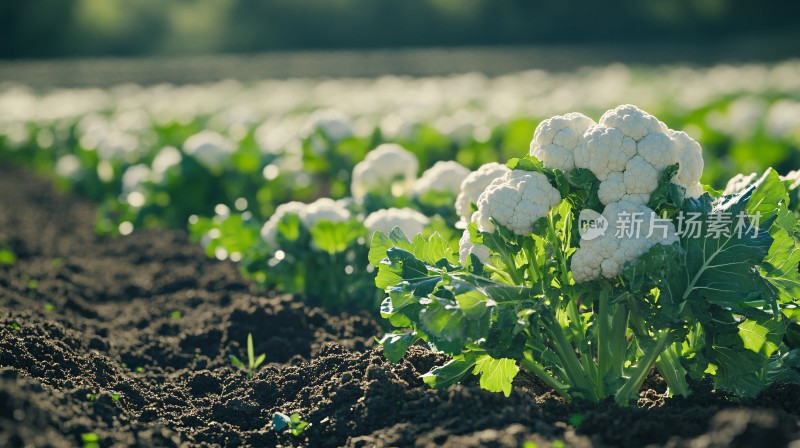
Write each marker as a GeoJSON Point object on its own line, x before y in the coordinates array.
{"type": "Point", "coordinates": [630, 233]}
{"type": "Point", "coordinates": [474, 184]}
{"type": "Point", "coordinates": [210, 149]}
{"type": "Point", "coordinates": [310, 214]}
{"type": "Point", "coordinates": [441, 177]}
{"type": "Point", "coordinates": [389, 167]}
{"type": "Point", "coordinates": [627, 151]}
{"type": "Point", "coordinates": [410, 221]}
{"type": "Point", "coordinates": [516, 200]}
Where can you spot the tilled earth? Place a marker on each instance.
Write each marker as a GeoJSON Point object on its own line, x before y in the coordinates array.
{"type": "Point", "coordinates": [128, 339]}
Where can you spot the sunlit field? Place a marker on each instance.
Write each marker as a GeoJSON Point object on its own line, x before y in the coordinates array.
{"type": "Point", "coordinates": [303, 256]}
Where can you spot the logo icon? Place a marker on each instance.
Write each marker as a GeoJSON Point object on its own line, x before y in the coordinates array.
{"type": "Point", "coordinates": [592, 225]}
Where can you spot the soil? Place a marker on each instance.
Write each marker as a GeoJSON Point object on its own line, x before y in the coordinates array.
{"type": "Point", "coordinates": [128, 339]}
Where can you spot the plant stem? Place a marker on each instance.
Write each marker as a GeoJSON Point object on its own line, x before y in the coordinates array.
{"type": "Point", "coordinates": [632, 385]}
{"type": "Point", "coordinates": [566, 352]}
{"type": "Point", "coordinates": [511, 265]}
{"type": "Point", "coordinates": [603, 343]}
{"type": "Point", "coordinates": [619, 343]}
{"type": "Point", "coordinates": [669, 366]}
{"type": "Point", "coordinates": [536, 368]}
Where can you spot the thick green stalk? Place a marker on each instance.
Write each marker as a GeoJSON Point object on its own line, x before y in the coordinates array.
{"type": "Point", "coordinates": [566, 352]}
{"type": "Point", "coordinates": [534, 274]}
{"type": "Point", "coordinates": [632, 385]}
{"type": "Point", "coordinates": [619, 341]}
{"type": "Point", "coordinates": [537, 369]}
{"type": "Point", "coordinates": [511, 265]}
{"type": "Point", "coordinates": [604, 351]}
{"type": "Point", "coordinates": [669, 366]}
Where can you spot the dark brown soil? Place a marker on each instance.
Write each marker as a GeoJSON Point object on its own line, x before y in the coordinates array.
{"type": "Point", "coordinates": [128, 338]}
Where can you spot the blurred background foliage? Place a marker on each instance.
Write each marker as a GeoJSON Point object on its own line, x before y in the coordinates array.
{"type": "Point", "coordinates": [66, 28]}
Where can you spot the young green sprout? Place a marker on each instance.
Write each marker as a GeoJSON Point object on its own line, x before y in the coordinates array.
{"type": "Point", "coordinates": [252, 361]}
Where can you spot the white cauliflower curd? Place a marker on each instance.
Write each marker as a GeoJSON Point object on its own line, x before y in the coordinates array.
{"type": "Point", "coordinates": [632, 230]}
{"type": "Point", "coordinates": [389, 167]}
{"type": "Point", "coordinates": [516, 200]}
{"type": "Point", "coordinates": [411, 222]}
{"type": "Point", "coordinates": [441, 177]}
{"type": "Point", "coordinates": [210, 149]}
{"type": "Point", "coordinates": [473, 185]}
{"type": "Point", "coordinates": [556, 138]}
{"type": "Point", "coordinates": [324, 209]}
{"type": "Point", "coordinates": [627, 151]}
{"type": "Point", "coordinates": [466, 247]}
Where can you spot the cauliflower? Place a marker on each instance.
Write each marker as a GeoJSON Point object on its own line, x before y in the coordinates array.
{"type": "Point", "coordinates": [323, 209]}
{"type": "Point", "coordinates": [625, 239]}
{"type": "Point", "coordinates": [387, 167]}
{"type": "Point", "coordinates": [333, 124]}
{"type": "Point", "coordinates": [739, 183]}
{"type": "Point", "coordinates": [210, 149]}
{"type": "Point", "coordinates": [269, 232]}
{"type": "Point", "coordinates": [473, 185]}
{"type": "Point", "coordinates": [441, 177]}
{"type": "Point", "coordinates": [411, 222]}
{"type": "Point", "coordinates": [627, 151]}
{"type": "Point", "coordinates": [466, 247]}
{"type": "Point", "coordinates": [516, 201]}
{"type": "Point", "coordinates": [556, 138]}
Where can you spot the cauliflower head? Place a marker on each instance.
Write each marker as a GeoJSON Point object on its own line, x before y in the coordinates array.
{"type": "Point", "coordinates": [269, 232]}
{"type": "Point", "coordinates": [516, 200]}
{"type": "Point", "coordinates": [387, 167]}
{"type": "Point", "coordinates": [410, 221]}
{"type": "Point", "coordinates": [555, 139]}
{"type": "Point", "coordinates": [210, 149]}
{"type": "Point", "coordinates": [632, 230]}
{"type": "Point", "coordinates": [473, 185]}
{"type": "Point", "coordinates": [629, 149]}
{"type": "Point", "coordinates": [466, 247]}
{"type": "Point", "coordinates": [323, 209]}
{"type": "Point", "coordinates": [441, 177]}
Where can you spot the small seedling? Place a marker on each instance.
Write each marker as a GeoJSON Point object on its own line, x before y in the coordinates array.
{"type": "Point", "coordinates": [15, 326]}
{"type": "Point", "coordinates": [176, 315]}
{"type": "Point", "coordinates": [293, 424]}
{"type": "Point", "coordinates": [115, 396]}
{"type": "Point", "coordinates": [49, 307]}
{"type": "Point", "coordinates": [90, 440]}
{"type": "Point", "coordinates": [7, 257]}
{"type": "Point", "coordinates": [139, 370]}
{"type": "Point", "coordinates": [57, 262]}
{"type": "Point", "coordinates": [252, 361]}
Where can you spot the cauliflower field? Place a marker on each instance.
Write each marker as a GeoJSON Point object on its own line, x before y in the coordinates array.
{"type": "Point", "coordinates": [548, 245]}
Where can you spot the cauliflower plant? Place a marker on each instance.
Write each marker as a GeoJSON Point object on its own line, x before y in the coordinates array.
{"type": "Point", "coordinates": [269, 232]}
{"type": "Point", "coordinates": [323, 209]}
{"type": "Point", "coordinates": [556, 138]}
{"type": "Point", "coordinates": [389, 167]}
{"type": "Point", "coordinates": [210, 149]}
{"type": "Point", "coordinates": [632, 230]}
{"type": "Point", "coordinates": [473, 185]}
{"type": "Point", "coordinates": [516, 200]}
{"type": "Point", "coordinates": [466, 247]}
{"type": "Point", "coordinates": [410, 221]}
{"type": "Point", "coordinates": [627, 151]}
{"type": "Point", "coordinates": [442, 177]}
